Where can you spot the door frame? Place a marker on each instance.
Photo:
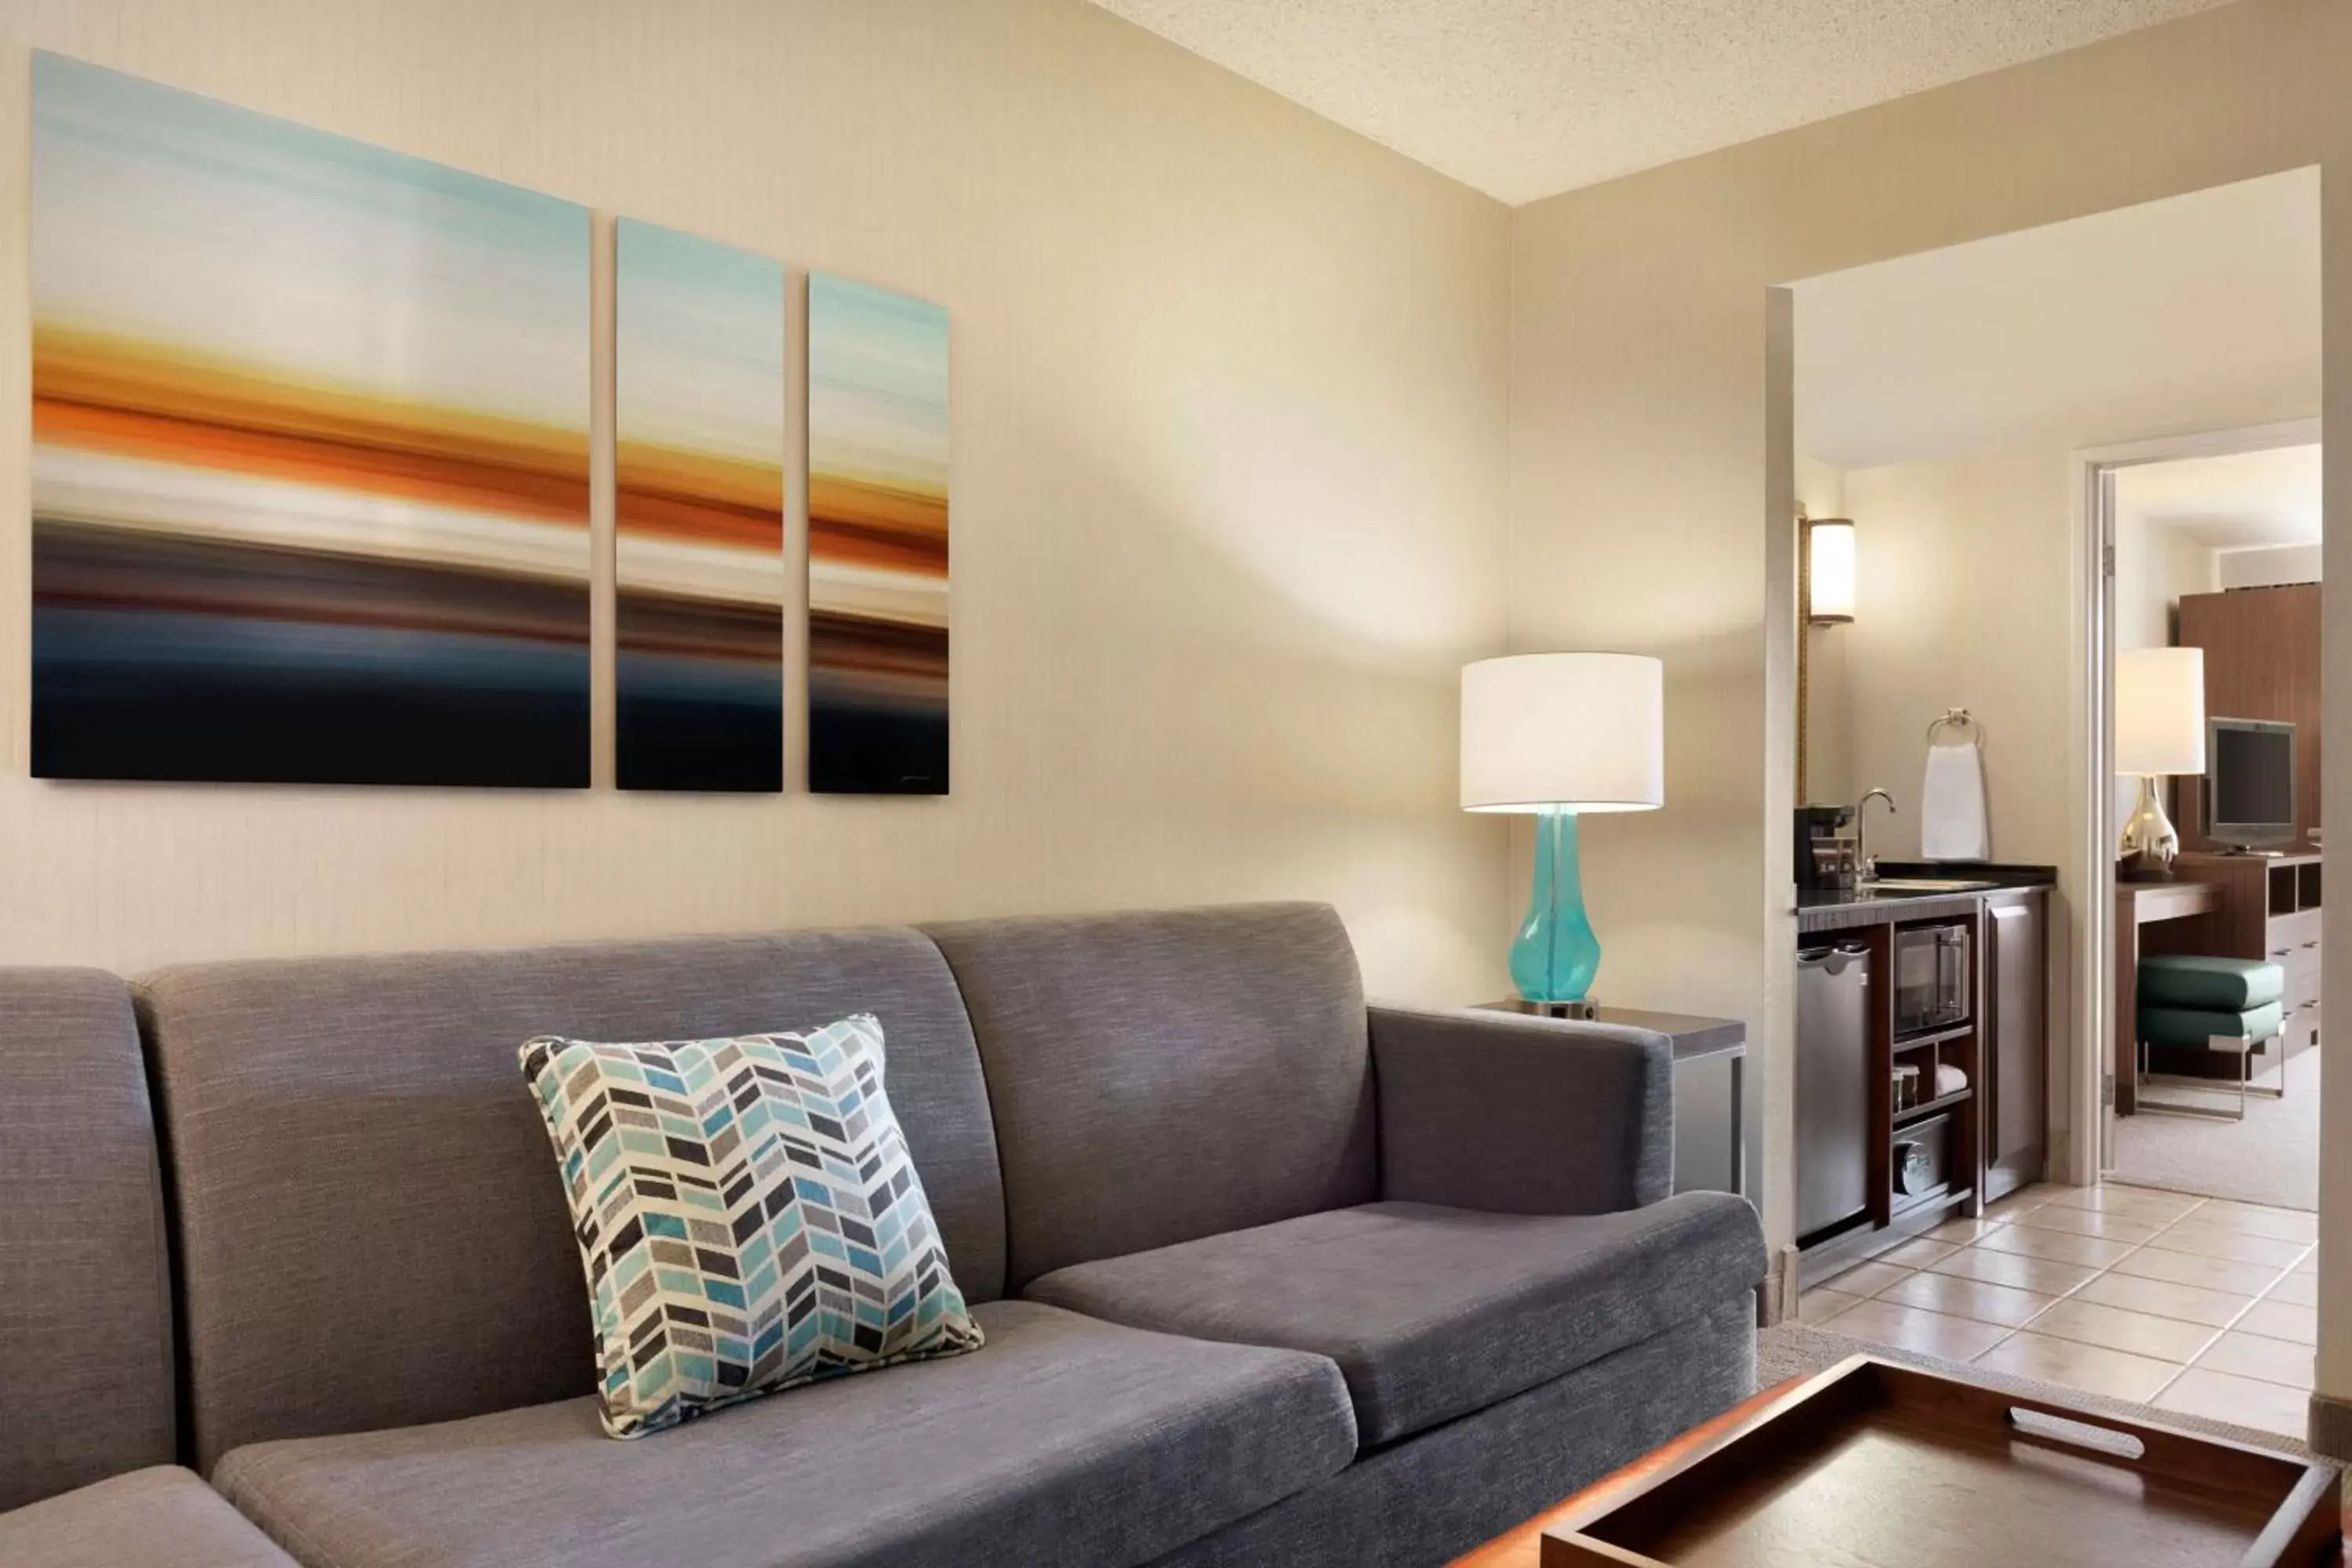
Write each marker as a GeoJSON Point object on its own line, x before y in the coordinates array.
{"type": "Point", "coordinates": [2087, 1144]}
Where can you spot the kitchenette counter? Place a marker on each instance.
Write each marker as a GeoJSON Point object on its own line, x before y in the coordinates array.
{"type": "Point", "coordinates": [1888, 902]}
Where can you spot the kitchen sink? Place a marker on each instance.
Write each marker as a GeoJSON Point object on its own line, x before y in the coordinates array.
{"type": "Point", "coordinates": [1923, 885]}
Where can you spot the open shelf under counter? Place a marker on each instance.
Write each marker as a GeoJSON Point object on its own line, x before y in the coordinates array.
{"type": "Point", "coordinates": [1927, 1107]}
{"type": "Point", "coordinates": [1934, 1038]}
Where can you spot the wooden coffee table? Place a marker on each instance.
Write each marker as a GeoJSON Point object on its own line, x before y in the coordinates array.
{"type": "Point", "coordinates": [1881, 1466]}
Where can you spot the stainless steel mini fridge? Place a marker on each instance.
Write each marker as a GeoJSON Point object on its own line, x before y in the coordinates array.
{"type": "Point", "coordinates": [1833, 1085]}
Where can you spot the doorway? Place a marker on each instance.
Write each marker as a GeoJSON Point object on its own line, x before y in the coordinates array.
{"type": "Point", "coordinates": [2208, 548]}
{"type": "Point", "coordinates": [1972, 417]}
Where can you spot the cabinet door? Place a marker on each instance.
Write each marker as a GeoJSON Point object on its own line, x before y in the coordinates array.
{"type": "Point", "coordinates": [2018, 1059]}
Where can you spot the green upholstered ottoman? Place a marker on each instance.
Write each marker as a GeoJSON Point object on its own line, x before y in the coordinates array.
{"type": "Point", "coordinates": [2196, 1025]}
{"type": "Point", "coordinates": [2216, 985]}
{"type": "Point", "coordinates": [2225, 1005]}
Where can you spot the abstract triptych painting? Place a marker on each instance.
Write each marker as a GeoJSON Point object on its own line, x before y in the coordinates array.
{"type": "Point", "coordinates": [310, 473]}
{"type": "Point", "coordinates": [699, 548]}
{"type": "Point", "coordinates": [878, 581]}
{"type": "Point", "coordinates": [309, 468]}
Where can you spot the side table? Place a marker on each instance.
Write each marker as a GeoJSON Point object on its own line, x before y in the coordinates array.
{"type": "Point", "coordinates": [1710, 1071]}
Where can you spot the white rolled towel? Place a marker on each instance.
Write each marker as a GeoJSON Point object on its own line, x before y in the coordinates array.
{"type": "Point", "coordinates": [1952, 825]}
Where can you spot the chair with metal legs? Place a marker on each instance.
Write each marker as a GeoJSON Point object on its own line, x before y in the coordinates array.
{"type": "Point", "coordinates": [2227, 1006]}
{"type": "Point", "coordinates": [2233, 1044]}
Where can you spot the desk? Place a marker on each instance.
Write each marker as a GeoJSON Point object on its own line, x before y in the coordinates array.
{"type": "Point", "coordinates": [1704, 1103]}
{"type": "Point", "coordinates": [2137, 904]}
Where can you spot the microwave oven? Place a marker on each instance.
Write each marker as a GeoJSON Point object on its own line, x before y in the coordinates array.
{"type": "Point", "coordinates": [1931, 978]}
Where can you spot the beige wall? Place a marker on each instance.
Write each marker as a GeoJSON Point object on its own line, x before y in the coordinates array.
{"type": "Point", "coordinates": [1650, 493]}
{"type": "Point", "coordinates": [2267, 567]}
{"type": "Point", "coordinates": [1968, 602]}
{"type": "Point", "coordinates": [1229, 436]}
{"type": "Point", "coordinates": [2154, 567]}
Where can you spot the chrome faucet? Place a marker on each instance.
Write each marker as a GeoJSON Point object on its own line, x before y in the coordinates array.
{"type": "Point", "coordinates": [1861, 813]}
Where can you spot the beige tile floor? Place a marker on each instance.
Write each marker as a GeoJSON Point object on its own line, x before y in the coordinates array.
{"type": "Point", "coordinates": [2191, 1304]}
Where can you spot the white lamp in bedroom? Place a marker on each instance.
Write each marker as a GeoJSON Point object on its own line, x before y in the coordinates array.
{"type": "Point", "coordinates": [2159, 733]}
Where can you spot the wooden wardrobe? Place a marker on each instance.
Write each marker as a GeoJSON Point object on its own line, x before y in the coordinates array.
{"type": "Point", "coordinates": [2261, 661]}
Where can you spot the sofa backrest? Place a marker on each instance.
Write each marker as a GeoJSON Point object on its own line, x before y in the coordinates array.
{"type": "Point", "coordinates": [86, 1357]}
{"type": "Point", "coordinates": [371, 1228]}
{"type": "Point", "coordinates": [1164, 1076]}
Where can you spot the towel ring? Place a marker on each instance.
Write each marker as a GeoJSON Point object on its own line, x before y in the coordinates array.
{"type": "Point", "coordinates": [1958, 719]}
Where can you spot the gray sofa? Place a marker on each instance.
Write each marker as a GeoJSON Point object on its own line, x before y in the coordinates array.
{"type": "Point", "coordinates": [88, 1408]}
{"type": "Point", "coordinates": [1268, 1276]}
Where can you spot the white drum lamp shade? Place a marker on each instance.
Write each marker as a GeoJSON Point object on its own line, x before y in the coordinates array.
{"type": "Point", "coordinates": [2160, 710]}
{"type": "Point", "coordinates": [1580, 731]}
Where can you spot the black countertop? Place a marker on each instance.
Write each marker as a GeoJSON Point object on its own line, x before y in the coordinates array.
{"type": "Point", "coordinates": [1841, 909]}
{"type": "Point", "coordinates": [2006, 875]}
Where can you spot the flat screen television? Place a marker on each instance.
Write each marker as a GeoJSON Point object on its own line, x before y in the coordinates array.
{"type": "Point", "coordinates": [2249, 781]}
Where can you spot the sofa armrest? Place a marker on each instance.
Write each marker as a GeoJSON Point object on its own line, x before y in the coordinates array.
{"type": "Point", "coordinates": [1515, 1114]}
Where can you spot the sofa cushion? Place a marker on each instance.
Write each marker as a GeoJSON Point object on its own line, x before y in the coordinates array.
{"type": "Point", "coordinates": [747, 1215]}
{"type": "Point", "coordinates": [1065, 1441]}
{"type": "Point", "coordinates": [368, 1236]}
{"type": "Point", "coordinates": [158, 1518]}
{"type": "Point", "coordinates": [1435, 1313]}
{"type": "Point", "coordinates": [1166, 1074]}
{"type": "Point", "coordinates": [1440, 1492]}
{"type": "Point", "coordinates": [85, 1292]}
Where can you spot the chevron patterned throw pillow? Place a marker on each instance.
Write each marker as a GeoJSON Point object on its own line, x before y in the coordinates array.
{"type": "Point", "coordinates": [747, 1215]}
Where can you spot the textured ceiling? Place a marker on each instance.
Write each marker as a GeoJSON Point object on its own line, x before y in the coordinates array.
{"type": "Point", "coordinates": [1526, 98]}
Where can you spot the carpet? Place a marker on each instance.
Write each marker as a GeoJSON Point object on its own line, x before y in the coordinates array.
{"type": "Point", "coordinates": [1795, 1350]}
{"type": "Point", "coordinates": [2272, 1157]}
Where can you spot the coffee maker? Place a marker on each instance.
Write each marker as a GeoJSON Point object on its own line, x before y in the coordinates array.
{"type": "Point", "coordinates": [1829, 854]}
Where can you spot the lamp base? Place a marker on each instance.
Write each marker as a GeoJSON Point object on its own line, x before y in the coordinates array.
{"type": "Point", "coordinates": [1556, 955]}
{"type": "Point", "coordinates": [2149, 844]}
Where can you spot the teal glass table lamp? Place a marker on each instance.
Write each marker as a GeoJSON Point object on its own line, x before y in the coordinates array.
{"type": "Point", "coordinates": [1560, 736]}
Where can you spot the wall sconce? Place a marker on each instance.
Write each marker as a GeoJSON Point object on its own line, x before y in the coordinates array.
{"type": "Point", "coordinates": [1825, 582]}
{"type": "Point", "coordinates": [1829, 571]}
